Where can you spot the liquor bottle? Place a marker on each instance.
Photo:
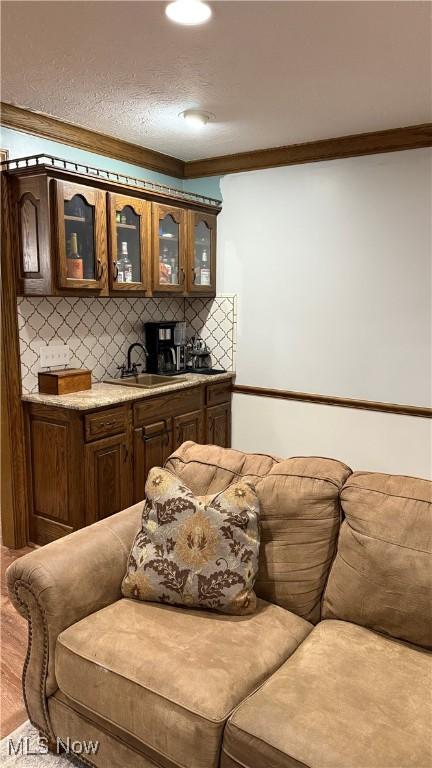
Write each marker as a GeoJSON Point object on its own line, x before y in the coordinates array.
{"type": "Point", "coordinates": [205, 269]}
{"type": "Point", "coordinates": [174, 270]}
{"type": "Point", "coordinates": [165, 268]}
{"type": "Point", "coordinates": [74, 262]}
{"type": "Point", "coordinates": [124, 265]}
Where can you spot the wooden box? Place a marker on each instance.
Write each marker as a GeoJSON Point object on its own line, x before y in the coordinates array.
{"type": "Point", "coordinates": [64, 381]}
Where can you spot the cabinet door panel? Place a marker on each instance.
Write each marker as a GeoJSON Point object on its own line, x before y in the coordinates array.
{"type": "Point", "coordinates": [34, 275]}
{"type": "Point", "coordinates": [169, 248]}
{"type": "Point", "coordinates": [152, 446]}
{"type": "Point", "coordinates": [129, 245]}
{"type": "Point", "coordinates": [201, 254]}
{"type": "Point", "coordinates": [54, 450]}
{"type": "Point", "coordinates": [188, 426]}
{"type": "Point", "coordinates": [108, 468]}
{"type": "Point", "coordinates": [81, 237]}
{"type": "Point", "coordinates": [218, 430]}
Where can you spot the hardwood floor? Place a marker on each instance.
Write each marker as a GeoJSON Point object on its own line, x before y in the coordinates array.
{"type": "Point", "coordinates": [13, 651]}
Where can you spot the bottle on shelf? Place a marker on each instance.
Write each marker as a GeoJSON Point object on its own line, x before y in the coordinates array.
{"type": "Point", "coordinates": [204, 274]}
{"type": "Point", "coordinates": [174, 270]}
{"type": "Point", "coordinates": [124, 265]}
{"type": "Point", "coordinates": [74, 262]}
{"type": "Point", "coordinates": [165, 267]}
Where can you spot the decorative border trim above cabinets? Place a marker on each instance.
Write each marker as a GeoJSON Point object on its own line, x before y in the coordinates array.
{"type": "Point", "coordinates": [371, 143]}
{"type": "Point", "coordinates": [342, 402]}
{"type": "Point", "coordinates": [392, 140]}
{"type": "Point", "coordinates": [51, 128]}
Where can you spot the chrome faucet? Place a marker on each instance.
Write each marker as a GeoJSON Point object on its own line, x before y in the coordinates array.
{"type": "Point", "coordinates": [131, 369]}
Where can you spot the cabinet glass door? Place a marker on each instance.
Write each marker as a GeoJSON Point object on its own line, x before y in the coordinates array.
{"type": "Point", "coordinates": [79, 239]}
{"type": "Point", "coordinates": [129, 243]}
{"type": "Point", "coordinates": [81, 229]}
{"type": "Point", "coordinates": [169, 234]}
{"type": "Point", "coordinates": [169, 255]}
{"type": "Point", "coordinates": [202, 254]}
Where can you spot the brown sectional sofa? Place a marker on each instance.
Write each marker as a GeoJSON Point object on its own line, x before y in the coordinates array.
{"type": "Point", "coordinates": [333, 670]}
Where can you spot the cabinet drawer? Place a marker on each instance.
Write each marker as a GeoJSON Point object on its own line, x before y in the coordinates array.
{"type": "Point", "coordinates": [219, 393]}
{"type": "Point", "coordinates": [162, 407]}
{"type": "Point", "coordinates": [104, 423]}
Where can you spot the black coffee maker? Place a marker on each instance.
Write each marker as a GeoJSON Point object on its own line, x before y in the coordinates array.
{"type": "Point", "coordinates": [163, 353]}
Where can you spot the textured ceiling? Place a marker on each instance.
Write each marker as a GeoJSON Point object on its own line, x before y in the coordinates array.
{"type": "Point", "coordinates": [273, 73]}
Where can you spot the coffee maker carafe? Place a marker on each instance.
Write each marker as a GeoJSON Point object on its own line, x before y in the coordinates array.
{"type": "Point", "coordinates": [163, 347]}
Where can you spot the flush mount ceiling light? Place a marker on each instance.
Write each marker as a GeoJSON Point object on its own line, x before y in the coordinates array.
{"type": "Point", "coordinates": [197, 118]}
{"type": "Point", "coordinates": [188, 12]}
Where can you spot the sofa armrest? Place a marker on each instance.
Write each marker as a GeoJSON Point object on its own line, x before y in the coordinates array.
{"type": "Point", "coordinates": [59, 584]}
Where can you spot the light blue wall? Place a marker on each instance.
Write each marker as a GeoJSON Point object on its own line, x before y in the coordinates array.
{"type": "Point", "coordinates": [209, 185]}
{"type": "Point", "coordinates": [23, 144]}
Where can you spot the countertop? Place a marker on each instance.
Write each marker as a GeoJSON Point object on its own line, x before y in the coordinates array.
{"type": "Point", "coordinates": [102, 394]}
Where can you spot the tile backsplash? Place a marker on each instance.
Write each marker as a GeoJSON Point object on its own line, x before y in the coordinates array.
{"type": "Point", "coordinates": [99, 331]}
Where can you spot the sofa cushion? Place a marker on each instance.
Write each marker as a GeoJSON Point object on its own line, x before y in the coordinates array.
{"type": "Point", "coordinates": [347, 697]}
{"type": "Point", "coordinates": [197, 551]}
{"type": "Point", "coordinates": [300, 516]}
{"type": "Point", "coordinates": [169, 676]}
{"type": "Point", "coordinates": [382, 574]}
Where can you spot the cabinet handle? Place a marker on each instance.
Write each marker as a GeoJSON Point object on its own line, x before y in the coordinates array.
{"type": "Point", "coordinates": [99, 270]}
{"type": "Point", "coordinates": [194, 275]}
{"type": "Point", "coordinates": [115, 271]}
{"type": "Point", "coordinates": [183, 276]}
{"type": "Point", "coordinates": [126, 453]}
{"type": "Point", "coordinates": [165, 435]}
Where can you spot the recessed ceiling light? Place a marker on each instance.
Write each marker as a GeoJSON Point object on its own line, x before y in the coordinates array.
{"type": "Point", "coordinates": [188, 12]}
{"type": "Point", "coordinates": [197, 118]}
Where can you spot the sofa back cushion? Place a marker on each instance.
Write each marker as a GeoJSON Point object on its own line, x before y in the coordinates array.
{"type": "Point", "coordinates": [300, 516]}
{"type": "Point", "coordinates": [382, 575]}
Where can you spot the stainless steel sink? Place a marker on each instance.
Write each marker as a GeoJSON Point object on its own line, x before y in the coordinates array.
{"type": "Point", "coordinates": [145, 380]}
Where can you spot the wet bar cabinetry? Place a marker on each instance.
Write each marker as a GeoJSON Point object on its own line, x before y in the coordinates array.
{"type": "Point", "coordinates": [86, 465]}
{"type": "Point", "coordinates": [84, 233]}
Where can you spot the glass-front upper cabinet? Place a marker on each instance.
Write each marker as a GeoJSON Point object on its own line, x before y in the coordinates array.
{"type": "Point", "coordinates": [169, 248]}
{"type": "Point", "coordinates": [129, 243]}
{"type": "Point", "coordinates": [202, 254]}
{"type": "Point", "coordinates": [81, 237]}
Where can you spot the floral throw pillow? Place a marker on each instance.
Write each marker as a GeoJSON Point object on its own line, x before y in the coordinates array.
{"type": "Point", "coordinates": [195, 551]}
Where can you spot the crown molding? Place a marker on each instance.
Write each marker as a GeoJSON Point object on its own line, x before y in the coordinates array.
{"type": "Point", "coordinates": [392, 140]}
{"type": "Point", "coordinates": [50, 128]}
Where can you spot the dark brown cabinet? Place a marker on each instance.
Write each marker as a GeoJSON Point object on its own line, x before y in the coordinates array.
{"type": "Point", "coordinates": [86, 233]}
{"type": "Point", "coordinates": [80, 237]}
{"type": "Point", "coordinates": [152, 446]}
{"type": "Point", "coordinates": [218, 426]}
{"type": "Point", "coordinates": [189, 426]}
{"type": "Point", "coordinates": [33, 266]}
{"type": "Point", "coordinates": [129, 244]}
{"type": "Point", "coordinates": [56, 500]}
{"type": "Point", "coordinates": [108, 477]}
{"type": "Point", "coordinates": [169, 248]}
{"type": "Point", "coordinates": [201, 254]}
{"type": "Point", "coordinates": [84, 466]}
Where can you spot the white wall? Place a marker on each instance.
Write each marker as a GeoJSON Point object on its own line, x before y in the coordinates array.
{"type": "Point", "coordinates": [365, 440]}
{"type": "Point", "coordinates": [331, 263]}
{"type": "Point", "coordinates": [332, 266]}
